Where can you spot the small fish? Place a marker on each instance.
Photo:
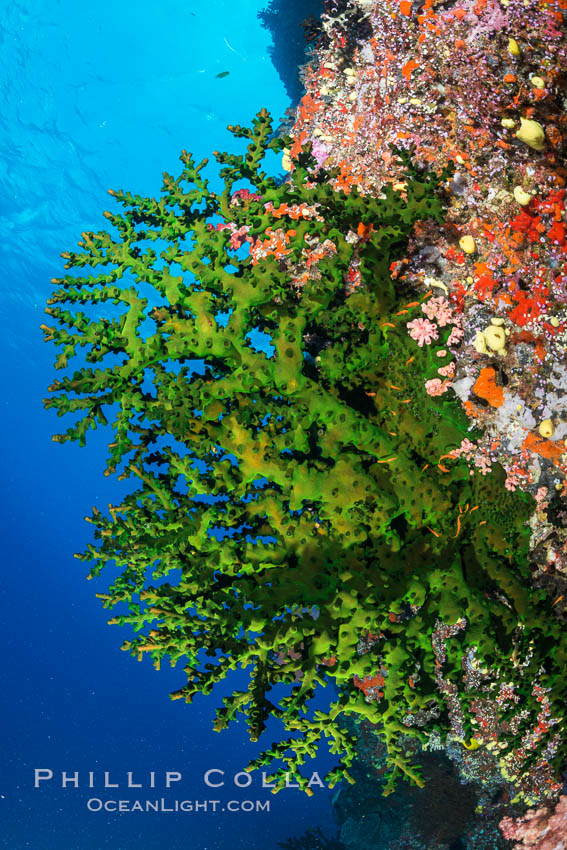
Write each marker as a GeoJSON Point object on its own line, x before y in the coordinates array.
{"type": "Point", "coordinates": [223, 74]}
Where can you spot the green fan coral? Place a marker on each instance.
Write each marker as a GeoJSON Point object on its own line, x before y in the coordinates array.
{"type": "Point", "coordinates": [297, 493]}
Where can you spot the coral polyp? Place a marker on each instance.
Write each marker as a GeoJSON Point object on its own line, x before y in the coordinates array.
{"type": "Point", "coordinates": [299, 507]}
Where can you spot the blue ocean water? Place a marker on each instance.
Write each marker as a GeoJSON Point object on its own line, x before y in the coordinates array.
{"type": "Point", "coordinates": [96, 96]}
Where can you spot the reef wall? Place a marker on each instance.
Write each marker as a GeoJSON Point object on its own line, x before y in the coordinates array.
{"type": "Point", "coordinates": [340, 401]}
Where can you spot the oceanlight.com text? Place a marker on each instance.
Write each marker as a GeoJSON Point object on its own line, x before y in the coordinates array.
{"type": "Point", "coordinates": [95, 804]}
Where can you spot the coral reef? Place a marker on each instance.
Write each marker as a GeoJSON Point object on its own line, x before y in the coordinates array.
{"type": "Point", "coordinates": [480, 83]}
{"type": "Point", "coordinates": [292, 514]}
{"type": "Point", "coordinates": [540, 829]}
{"type": "Point", "coordinates": [442, 815]}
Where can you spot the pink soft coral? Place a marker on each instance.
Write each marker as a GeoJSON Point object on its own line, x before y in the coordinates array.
{"type": "Point", "coordinates": [447, 371]}
{"type": "Point", "coordinates": [320, 151]}
{"type": "Point", "coordinates": [456, 335]}
{"type": "Point", "coordinates": [423, 331]}
{"type": "Point", "coordinates": [239, 237]}
{"type": "Point", "coordinates": [243, 195]}
{"type": "Point", "coordinates": [539, 829]}
{"type": "Point", "coordinates": [438, 308]}
{"type": "Point", "coordinates": [466, 449]}
{"type": "Point", "coordinates": [437, 387]}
